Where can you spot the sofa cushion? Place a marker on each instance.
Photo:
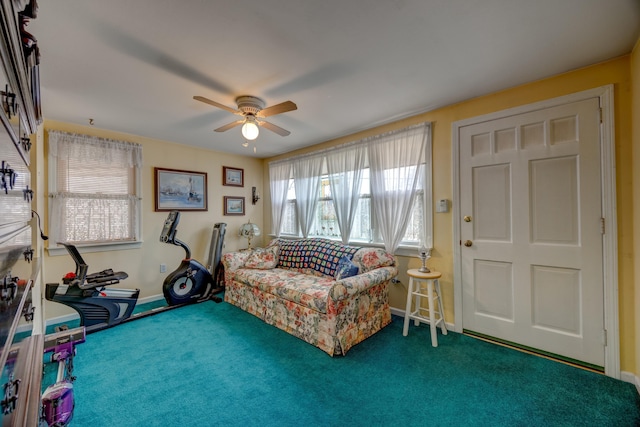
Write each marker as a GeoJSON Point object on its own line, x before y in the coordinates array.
{"type": "Point", "coordinates": [320, 255]}
{"type": "Point", "coordinates": [346, 268]}
{"type": "Point", "coordinates": [368, 259]}
{"type": "Point", "coordinates": [262, 258]}
{"type": "Point", "coordinates": [304, 289]}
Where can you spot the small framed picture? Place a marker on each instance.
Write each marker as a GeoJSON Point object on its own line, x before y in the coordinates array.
{"type": "Point", "coordinates": [233, 205]}
{"type": "Point", "coordinates": [232, 176]}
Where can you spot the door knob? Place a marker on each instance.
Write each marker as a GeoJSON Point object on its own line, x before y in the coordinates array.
{"type": "Point", "coordinates": [468, 243]}
{"type": "Point", "coordinates": [467, 218]}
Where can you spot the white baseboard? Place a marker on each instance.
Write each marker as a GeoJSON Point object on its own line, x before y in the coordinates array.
{"type": "Point", "coordinates": [629, 377]}
{"type": "Point", "coordinates": [62, 319]}
{"type": "Point", "coordinates": [152, 298]}
{"type": "Point", "coordinates": [397, 311]}
{"type": "Point", "coordinates": [53, 321]}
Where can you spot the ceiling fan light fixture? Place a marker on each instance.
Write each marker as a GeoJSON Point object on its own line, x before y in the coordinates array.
{"type": "Point", "coordinates": [250, 129]}
{"type": "Point", "coordinates": [252, 110]}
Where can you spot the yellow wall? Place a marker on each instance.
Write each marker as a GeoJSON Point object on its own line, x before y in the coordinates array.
{"type": "Point", "coordinates": [143, 264]}
{"type": "Point", "coordinates": [635, 80]}
{"type": "Point", "coordinates": [615, 72]}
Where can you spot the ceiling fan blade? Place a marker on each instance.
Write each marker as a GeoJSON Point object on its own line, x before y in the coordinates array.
{"type": "Point", "coordinates": [283, 107]}
{"type": "Point", "coordinates": [229, 126]}
{"type": "Point", "coordinates": [273, 128]}
{"type": "Point", "coordinates": [216, 104]}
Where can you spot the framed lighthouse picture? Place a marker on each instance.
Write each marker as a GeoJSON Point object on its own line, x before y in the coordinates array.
{"type": "Point", "coordinates": [180, 190]}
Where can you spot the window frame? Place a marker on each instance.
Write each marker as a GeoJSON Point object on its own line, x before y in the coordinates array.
{"type": "Point", "coordinates": [53, 249]}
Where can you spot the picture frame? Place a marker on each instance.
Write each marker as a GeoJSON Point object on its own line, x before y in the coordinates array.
{"type": "Point", "coordinates": [233, 205]}
{"type": "Point", "coordinates": [180, 190]}
{"type": "Point", "coordinates": [233, 177]}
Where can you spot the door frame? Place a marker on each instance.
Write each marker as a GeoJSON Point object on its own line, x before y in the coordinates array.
{"type": "Point", "coordinates": [611, 335]}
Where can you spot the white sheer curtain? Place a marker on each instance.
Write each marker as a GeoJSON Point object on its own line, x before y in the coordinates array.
{"type": "Point", "coordinates": [345, 167]}
{"type": "Point", "coordinates": [396, 160]}
{"type": "Point", "coordinates": [279, 175]}
{"type": "Point", "coordinates": [93, 188]}
{"type": "Point", "coordinates": [85, 148]}
{"type": "Point", "coordinates": [306, 173]}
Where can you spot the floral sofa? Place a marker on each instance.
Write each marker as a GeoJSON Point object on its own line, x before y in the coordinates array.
{"type": "Point", "coordinates": [328, 294]}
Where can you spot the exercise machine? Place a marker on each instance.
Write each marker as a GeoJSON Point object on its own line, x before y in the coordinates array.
{"type": "Point", "coordinates": [192, 280]}
{"type": "Point", "coordinates": [101, 306]}
{"type": "Point", "coordinates": [58, 400]}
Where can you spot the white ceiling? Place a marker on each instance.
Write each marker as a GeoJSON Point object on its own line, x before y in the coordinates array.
{"type": "Point", "coordinates": [349, 65]}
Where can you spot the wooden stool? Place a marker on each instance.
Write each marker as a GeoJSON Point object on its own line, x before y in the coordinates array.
{"type": "Point", "coordinates": [417, 280]}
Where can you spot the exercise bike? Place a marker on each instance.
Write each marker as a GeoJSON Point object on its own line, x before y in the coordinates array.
{"type": "Point", "coordinates": [191, 280]}
{"type": "Point", "coordinates": [101, 306]}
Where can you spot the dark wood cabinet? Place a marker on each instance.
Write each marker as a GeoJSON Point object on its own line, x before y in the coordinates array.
{"type": "Point", "coordinates": [21, 343]}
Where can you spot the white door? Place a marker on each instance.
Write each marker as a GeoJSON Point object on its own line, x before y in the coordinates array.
{"type": "Point", "coordinates": [531, 230]}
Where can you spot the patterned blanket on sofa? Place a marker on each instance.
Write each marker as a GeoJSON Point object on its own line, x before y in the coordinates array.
{"type": "Point", "coordinates": [320, 255]}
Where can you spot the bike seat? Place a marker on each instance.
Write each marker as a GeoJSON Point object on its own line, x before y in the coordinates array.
{"type": "Point", "coordinates": [105, 277]}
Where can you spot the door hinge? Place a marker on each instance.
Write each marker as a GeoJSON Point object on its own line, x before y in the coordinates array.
{"type": "Point", "coordinates": [602, 225]}
{"type": "Point", "coordinates": [600, 113]}
{"type": "Point", "coordinates": [604, 337]}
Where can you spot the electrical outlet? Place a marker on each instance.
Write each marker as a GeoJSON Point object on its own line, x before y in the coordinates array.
{"type": "Point", "coordinates": [163, 268]}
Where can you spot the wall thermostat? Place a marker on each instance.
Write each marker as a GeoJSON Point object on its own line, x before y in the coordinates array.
{"type": "Point", "coordinates": [442, 205]}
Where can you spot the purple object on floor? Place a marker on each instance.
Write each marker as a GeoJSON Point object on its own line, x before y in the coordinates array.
{"type": "Point", "coordinates": [58, 403]}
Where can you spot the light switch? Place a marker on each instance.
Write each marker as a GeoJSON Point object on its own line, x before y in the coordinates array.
{"type": "Point", "coordinates": [442, 206]}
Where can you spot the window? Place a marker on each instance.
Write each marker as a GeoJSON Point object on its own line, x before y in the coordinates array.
{"type": "Point", "coordinates": [402, 194]}
{"type": "Point", "coordinates": [290, 220]}
{"type": "Point", "coordinates": [94, 187]}
{"type": "Point", "coordinates": [326, 224]}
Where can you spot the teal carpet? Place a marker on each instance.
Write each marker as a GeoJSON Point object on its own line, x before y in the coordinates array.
{"type": "Point", "coordinates": [213, 364]}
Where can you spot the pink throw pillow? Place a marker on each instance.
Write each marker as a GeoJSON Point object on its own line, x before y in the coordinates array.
{"type": "Point", "coordinates": [263, 258]}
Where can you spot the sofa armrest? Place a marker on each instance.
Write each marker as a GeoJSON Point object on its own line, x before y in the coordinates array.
{"type": "Point", "coordinates": [234, 260]}
{"type": "Point", "coordinates": [345, 288]}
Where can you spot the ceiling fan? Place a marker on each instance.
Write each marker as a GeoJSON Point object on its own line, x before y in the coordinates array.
{"type": "Point", "coordinates": [253, 111]}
